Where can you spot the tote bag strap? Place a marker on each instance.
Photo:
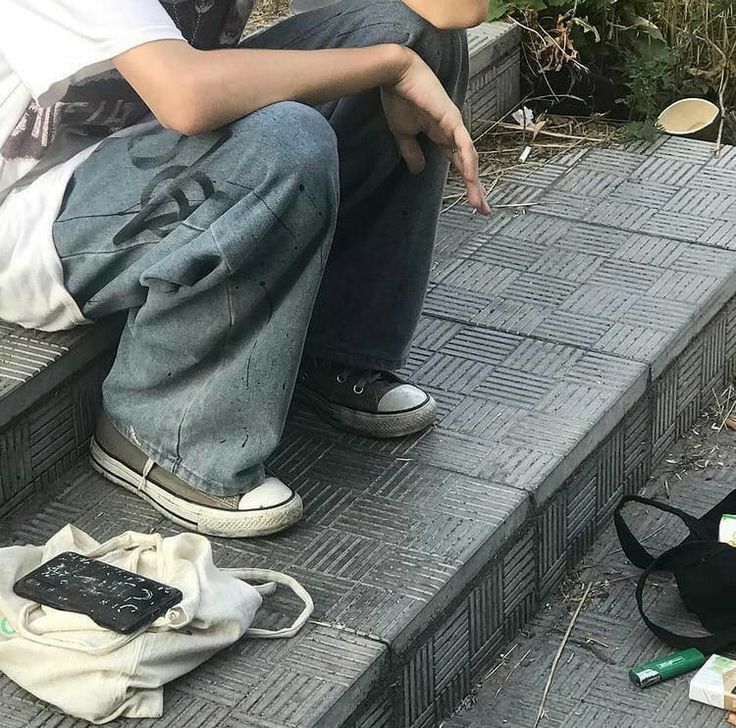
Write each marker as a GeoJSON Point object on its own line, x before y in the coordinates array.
{"type": "Point", "coordinates": [268, 579]}
{"type": "Point", "coordinates": [632, 547]}
{"type": "Point", "coordinates": [707, 644]}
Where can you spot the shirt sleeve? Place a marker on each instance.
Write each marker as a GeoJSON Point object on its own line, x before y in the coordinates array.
{"type": "Point", "coordinates": [50, 44]}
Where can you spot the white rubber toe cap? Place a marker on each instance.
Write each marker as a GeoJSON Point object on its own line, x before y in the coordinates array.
{"type": "Point", "coordinates": [272, 492]}
{"type": "Point", "coordinates": [403, 398]}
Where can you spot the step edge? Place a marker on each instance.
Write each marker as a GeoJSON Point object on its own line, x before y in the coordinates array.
{"type": "Point", "coordinates": [21, 399]}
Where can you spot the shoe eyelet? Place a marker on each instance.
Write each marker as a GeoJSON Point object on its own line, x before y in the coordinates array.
{"type": "Point", "coordinates": [341, 378]}
{"type": "Point", "coordinates": [358, 390]}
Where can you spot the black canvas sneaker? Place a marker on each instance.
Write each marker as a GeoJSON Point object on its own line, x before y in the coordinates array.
{"type": "Point", "coordinates": [369, 402]}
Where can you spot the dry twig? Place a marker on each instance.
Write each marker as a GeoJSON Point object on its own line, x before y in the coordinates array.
{"type": "Point", "coordinates": [560, 651]}
{"type": "Point", "coordinates": [557, 135]}
{"type": "Point", "coordinates": [495, 669]}
{"type": "Point", "coordinates": [512, 671]}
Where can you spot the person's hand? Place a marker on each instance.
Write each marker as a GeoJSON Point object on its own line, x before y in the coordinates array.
{"type": "Point", "coordinates": [417, 103]}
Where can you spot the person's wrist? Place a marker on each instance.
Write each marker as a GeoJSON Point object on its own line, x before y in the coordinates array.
{"type": "Point", "coordinates": [401, 60]}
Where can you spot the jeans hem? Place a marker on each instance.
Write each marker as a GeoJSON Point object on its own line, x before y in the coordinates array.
{"type": "Point", "coordinates": [191, 478]}
{"type": "Point", "coordinates": [358, 360]}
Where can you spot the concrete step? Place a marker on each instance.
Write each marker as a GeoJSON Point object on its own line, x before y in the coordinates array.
{"type": "Point", "coordinates": [569, 347]}
{"type": "Point", "coordinates": [49, 383]}
{"type": "Point", "coordinates": [495, 74]}
{"type": "Point", "coordinates": [591, 686]}
{"type": "Point", "coordinates": [49, 395]}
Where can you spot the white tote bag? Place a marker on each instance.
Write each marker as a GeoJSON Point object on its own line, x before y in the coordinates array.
{"type": "Point", "coordinates": [96, 674]}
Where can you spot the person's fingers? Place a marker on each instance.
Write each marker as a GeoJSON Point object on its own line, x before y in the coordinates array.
{"type": "Point", "coordinates": [457, 163]}
{"type": "Point", "coordinates": [476, 194]}
{"type": "Point", "coordinates": [412, 153]}
{"type": "Point", "coordinates": [473, 189]}
{"type": "Point", "coordinates": [478, 198]}
{"type": "Point", "coordinates": [467, 153]}
{"type": "Point", "coordinates": [436, 115]}
{"type": "Point", "coordinates": [467, 166]}
{"type": "Point", "coordinates": [486, 204]}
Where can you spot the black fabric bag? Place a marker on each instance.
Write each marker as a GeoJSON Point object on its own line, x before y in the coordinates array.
{"type": "Point", "coordinates": [704, 569]}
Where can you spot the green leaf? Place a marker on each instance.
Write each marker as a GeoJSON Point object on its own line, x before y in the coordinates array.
{"type": "Point", "coordinates": [647, 26]}
{"type": "Point", "coordinates": [648, 49]}
{"type": "Point", "coordinates": [587, 27]}
{"type": "Point", "coordinates": [497, 10]}
{"type": "Point", "coordinates": [642, 130]}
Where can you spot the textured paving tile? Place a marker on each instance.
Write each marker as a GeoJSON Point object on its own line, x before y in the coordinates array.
{"type": "Point", "coordinates": [380, 540]}
{"type": "Point", "coordinates": [522, 405]}
{"type": "Point", "coordinates": [34, 362]}
{"type": "Point", "coordinates": [591, 685]}
{"type": "Point", "coordinates": [254, 683]}
{"type": "Point", "coordinates": [618, 252]}
{"type": "Point", "coordinates": [539, 333]}
{"type": "Point", "coordinates": [24, 353]}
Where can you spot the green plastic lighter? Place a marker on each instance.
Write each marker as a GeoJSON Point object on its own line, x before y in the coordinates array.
{"type": "Point", "coordinates": [664, 668]}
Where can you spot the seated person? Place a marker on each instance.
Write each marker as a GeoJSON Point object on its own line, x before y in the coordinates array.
{"type": "Point", "coordinates": [264, 211]}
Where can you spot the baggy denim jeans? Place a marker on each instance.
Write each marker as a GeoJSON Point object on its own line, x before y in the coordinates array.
{"type": "Point", "coordinates": [291, 229]}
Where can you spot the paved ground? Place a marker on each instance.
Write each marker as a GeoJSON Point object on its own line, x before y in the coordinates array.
{"type": "Point", "coordinates": [590, 686]}
{"type": "Point", "coordinates": [424, 555]}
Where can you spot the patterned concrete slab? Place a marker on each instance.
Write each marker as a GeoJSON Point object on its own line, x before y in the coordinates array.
{"type": "Point", "coordinates": [621, 251]}
{"type": "Point", "coordinates": [515, 409]}
{"type": "Point", "coordinates": [33, 363]}
{"type": "Point", "coordinates": [49, 396]}
{"type": "Point", "coordinates": [318, 676]}
{"type": "Point", "coordinates": [591, 685]}
{"type": "Point", "coordinates": [423, 554]}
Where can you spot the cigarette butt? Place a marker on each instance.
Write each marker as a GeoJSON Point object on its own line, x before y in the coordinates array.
{"type": "Point", "coordinates": [731, 719]}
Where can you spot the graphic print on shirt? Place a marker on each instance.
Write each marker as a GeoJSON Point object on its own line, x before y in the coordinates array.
{"type": "Point", "coordinates": [104, 104]}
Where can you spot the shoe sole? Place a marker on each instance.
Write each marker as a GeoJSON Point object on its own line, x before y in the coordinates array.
{"type": "Point", "coordinates": [381, 426]}
{"type": "Point", "coordinates": [193, 516]}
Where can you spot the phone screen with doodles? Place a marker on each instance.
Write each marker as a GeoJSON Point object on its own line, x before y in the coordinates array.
{"type": "Point", "coordinates": [112, 597]}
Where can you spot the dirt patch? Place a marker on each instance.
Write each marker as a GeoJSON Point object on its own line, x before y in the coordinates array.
{"type": "Point", "coordinates": [501, 147]}
{"type": "Point", "coordinates": [507, 146]}
{"type": "Point", "coordinates": [268, 12]}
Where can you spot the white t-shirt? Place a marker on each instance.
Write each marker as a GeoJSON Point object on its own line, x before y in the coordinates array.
{"type": "Point", "coordinates": [46, 47]}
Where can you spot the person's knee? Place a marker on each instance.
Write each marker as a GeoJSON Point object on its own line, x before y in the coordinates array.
{"type": "Point", "coordinates": [414, 27]}
{"type": "Point", "coordinates": [442, 50]}
{"type": "Point", "coordinates": [295, 140]}
{"type": "Point", "coordinates": [306, 136]}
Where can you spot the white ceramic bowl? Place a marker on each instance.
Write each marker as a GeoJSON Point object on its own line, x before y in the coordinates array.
{"type": "Point", "coordinates": [688, 116]}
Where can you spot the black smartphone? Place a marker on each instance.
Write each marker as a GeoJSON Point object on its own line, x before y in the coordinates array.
{"type": "Point", "coordinates": [112, 597]}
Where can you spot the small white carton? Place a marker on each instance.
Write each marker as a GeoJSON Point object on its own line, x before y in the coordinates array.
{"type": "Point", "coordinates": [715, 683]}
{"type": "Point", "coordinates": [727, 529]}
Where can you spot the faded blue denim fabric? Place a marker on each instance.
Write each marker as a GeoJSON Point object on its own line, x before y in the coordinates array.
{"type": "Point", "coordinates": [231, 249]}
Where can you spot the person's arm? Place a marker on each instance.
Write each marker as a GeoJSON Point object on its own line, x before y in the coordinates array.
{"type": "Point", "coordinates": [195, 91]}
{"type": "Point", "coordinates": [447, 14]}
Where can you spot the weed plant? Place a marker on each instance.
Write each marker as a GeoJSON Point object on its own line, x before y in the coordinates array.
{"type": "Point", "coordinates": [642, 54]}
